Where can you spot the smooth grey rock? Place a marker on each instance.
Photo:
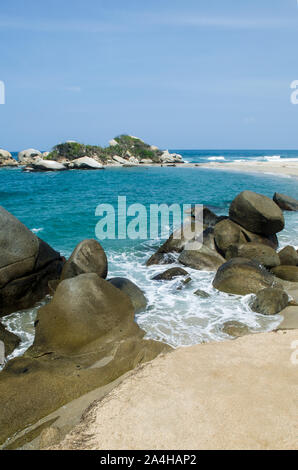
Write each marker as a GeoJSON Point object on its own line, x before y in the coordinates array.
{"type": "Point", "coordinates": [257, 213]}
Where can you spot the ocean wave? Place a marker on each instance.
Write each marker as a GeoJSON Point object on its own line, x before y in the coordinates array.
{"type": "Point", "coordinates": [216, 158]}
{"type": "Point", "coordinates": [36, 230]}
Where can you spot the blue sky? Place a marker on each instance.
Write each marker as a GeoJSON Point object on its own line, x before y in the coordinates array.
{"type": "Point", "coordinates": [180, 74]}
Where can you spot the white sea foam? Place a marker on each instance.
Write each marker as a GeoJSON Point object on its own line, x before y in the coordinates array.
{"type": "Point", "coordinates": [216, 158]}
{"type": "Point", "coordinates": [36, 230]}
{"type": "Point", "coordinates": [177, 317]}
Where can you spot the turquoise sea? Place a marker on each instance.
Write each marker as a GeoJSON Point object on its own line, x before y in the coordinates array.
{"type": "Point", "coordinates": [60, 208]}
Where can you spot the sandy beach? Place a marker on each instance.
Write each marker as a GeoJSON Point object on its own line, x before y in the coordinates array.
{"type": "Point", "coordinates": [279, 168]}
{"type": "Point", "coordinates": [227, 395]}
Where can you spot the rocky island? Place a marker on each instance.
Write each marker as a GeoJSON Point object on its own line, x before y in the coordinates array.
{"type": "Point", "coordinates": [124, 150]}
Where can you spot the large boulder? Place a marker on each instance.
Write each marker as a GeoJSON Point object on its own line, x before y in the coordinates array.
{"type": "Point", "coordinates": [26, 265]}
{"type": "Point", "coordinates": [85, 163]}
{"type": "Point", "coordinates": [6, 159]}
{"type": "Point", "coordinates": [83, 309]}
{"type": "Point", "coordinates": [287, 273]}
{"type": "Point", "coordinates": [85, 338]}
{"type": "Point", "coordinates": [170, 274]}
{"type": "Point", "coordinates": [135, 294]}
{"type": "Point", "coordinates": [205, 215]}
{"type": "Point", "coordinates": [270, 301]}
{"type": "Point", "coordinates": [286, 203]}
{"type": "Point", "coordinates": [87, 257]}
{"type": "Point", "coordinates": [257, 213]}
{"type": "Point", "coordinates": [288, 256]}
{"type": "Point", "coordinates": [28, 156]}
{"type": "Point", "coordinates": [269, 240]}
{"type": "Point", "coordinates": [242, 276]}
{"type": "Point", "coordinates": [10, 340]}
{"type": "Point", "coordinates": [46, 165]}
{"type": "Point", "coordinates": [258, 252]}
{"type": "Point", "coordinates": [227, 233]}
{"type": "Point", "coordinates": [177, 240]}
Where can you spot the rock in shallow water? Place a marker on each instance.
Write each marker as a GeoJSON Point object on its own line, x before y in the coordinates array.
{"type": "Point", "coordinates": [85, 163]}
{"type": "Point", "coordinates": [286, 203]}
{"type": "Point", "coordinates": [235, 329]}
{"type": "Point", "coordinates": [270, 301]}
{"type": "Point", "coordinates": [204, 259]}
{"type": "Point", "coordinates": [288, 256]}
{"type": "Point", "coordinates": [85, 338]}
{"type": "Point", "coordinates": [258, 252]}
{"type": "Point", "coordinates": [135, 294]}
{"type": "Point", "coordinates": [242, 276]}
{"type": "Point", "coordinates": [257, 213]}
{"type": "Point", "coordinates": [170, 274]}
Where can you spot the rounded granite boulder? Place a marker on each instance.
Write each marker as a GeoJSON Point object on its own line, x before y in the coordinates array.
{"type": "Point", "coordinates": [288, 256]}
{"type": "Point", "coordinates": [286, 203]}
{"type": "Point", "coordinates": [258, 252]}
{"type": "Point", "coordinates": [83, 309]}
{"type": "Point", "coordinates": [87, 257]}
{"type": "Point", "coordinates": [242, 276]}
{"type": "Point", "coordinates": [270, 301]}
{"type": "Point", "coordinates": [28, 156]}
{"type": "Point", "coordinates": [227, 233]}
{"type": "Point", "coordinates": [257, 213]}
{"type": "Point", "coordinates": [287, 273]}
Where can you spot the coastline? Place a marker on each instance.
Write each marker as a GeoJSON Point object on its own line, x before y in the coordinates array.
{"type": "Point", "coordinates": [270, 168]}
{"type": "Point", "coordinates": [288, 169]}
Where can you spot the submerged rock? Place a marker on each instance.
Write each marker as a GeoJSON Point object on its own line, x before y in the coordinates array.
{"type": "Point", "coordinates": [135, 294]}
{"type": "Point", "coordinates": [288, 256]}
{"type": "Point", "coordinates": [270, 301]}
{"type": "Point", "coordinates": [170, 274]}
{"type": "Point", "coordinates": [160, 258]}
{"type": "Point", "coordinates": [202, 294]}
{"type": "Point", "coordinates": [242, 276]}
{"type": "Point", "coordinates": [258, 252]}
{"type": "Point", "coordinates": [87, 257]}
{"type": "Point", "coordinates": [26, 265]}
{"type": "Point", "coordinates": [286, 203]}
{"type": "Point", "coordinates": [236, 329]}
{"type": "Point", "coordinates": [257, 213]}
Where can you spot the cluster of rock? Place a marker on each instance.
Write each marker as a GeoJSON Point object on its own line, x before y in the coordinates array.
{"type": "Point", "coordinates": [123, 151]}
{"type": "Point", "coordinates": [241, 248]}
{"type": "Point", "coordinates": [6, 159]}
{"type": "Point", "coordinates": [85, 337]}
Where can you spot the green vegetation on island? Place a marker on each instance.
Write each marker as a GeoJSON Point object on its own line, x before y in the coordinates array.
{"type": "Point", "coordinates": [123, 146]}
